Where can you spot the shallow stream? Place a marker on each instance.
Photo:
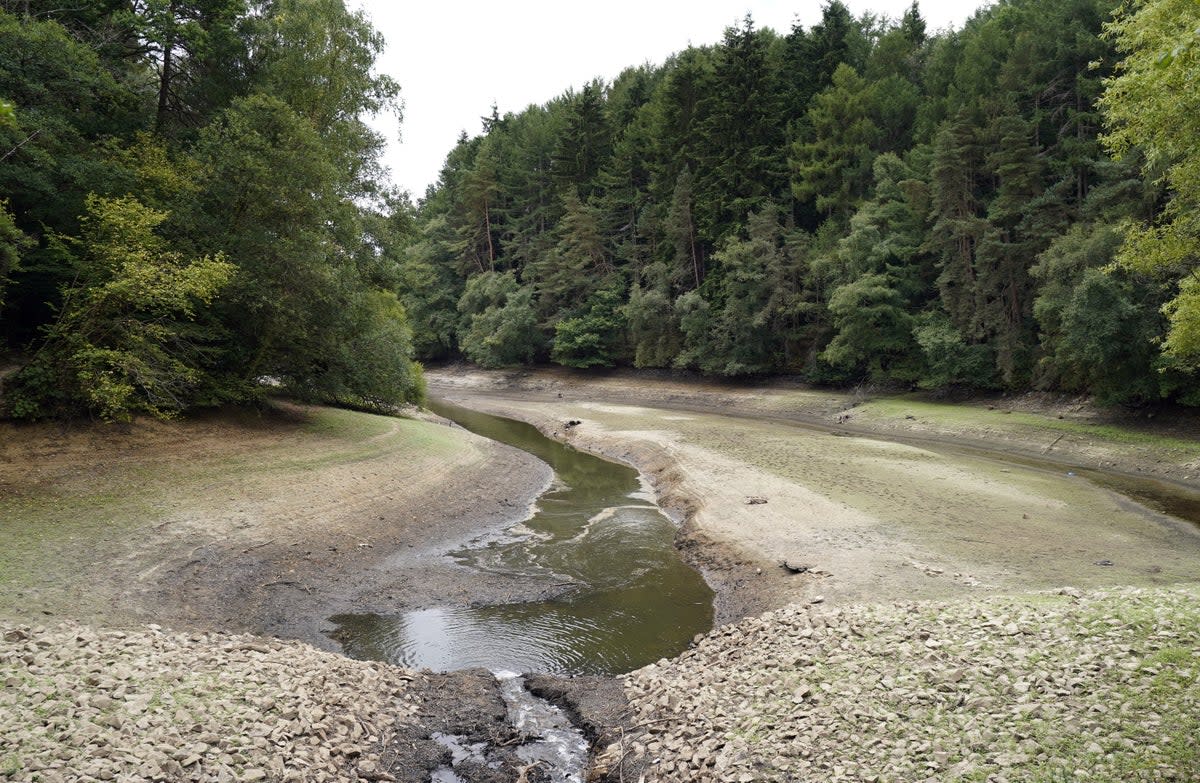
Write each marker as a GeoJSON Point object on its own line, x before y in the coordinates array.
{"type": "Point", "coordinates": [630, 600]}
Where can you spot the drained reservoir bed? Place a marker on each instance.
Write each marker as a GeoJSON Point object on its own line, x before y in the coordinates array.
{"type": "Point", "coordinates": [631, 599]}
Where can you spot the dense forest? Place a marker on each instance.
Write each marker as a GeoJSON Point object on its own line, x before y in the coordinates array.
{"type": "Point", "coordinates": [860, 201]}
{"type": "Point", "coordinates": [191, 209]}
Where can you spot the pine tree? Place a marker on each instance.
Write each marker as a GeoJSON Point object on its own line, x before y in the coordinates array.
{"type": "Point", "coordinates": [739, 163]}
{"type": "Point", "coordinates": [584, 143]}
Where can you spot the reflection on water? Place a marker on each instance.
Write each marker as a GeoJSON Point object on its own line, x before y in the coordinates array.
{"type": "Point", "coordinates": [634, 601]}
{"type": "Point", "coordinates": [1172, 499]}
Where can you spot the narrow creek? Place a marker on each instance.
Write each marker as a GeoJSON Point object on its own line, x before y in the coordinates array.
{"type": "Point", "coordinates": [630, 599]}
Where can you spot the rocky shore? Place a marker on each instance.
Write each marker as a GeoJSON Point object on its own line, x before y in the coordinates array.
{"type": "Point", "coordinates": [81, 704]}
{"type": "Point", "coordinates": [1071, 685]}
{"type": "Point", "coordinates": [1101, 686]}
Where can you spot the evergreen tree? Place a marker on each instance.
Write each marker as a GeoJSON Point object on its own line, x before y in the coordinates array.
{"type": "Point", "coordinates": [739, 166]}
{"type": "Point", "coordinates": [832, 170]}
{"type": "Point", "coordinates": [584, 142]}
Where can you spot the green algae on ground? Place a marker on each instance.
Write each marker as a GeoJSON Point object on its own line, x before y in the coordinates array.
{"type": "Point", "coordinates": [974, 416]}
{"type": "Point", "coordinates": [73, 502]}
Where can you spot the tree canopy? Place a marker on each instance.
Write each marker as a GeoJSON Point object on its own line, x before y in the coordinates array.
{"type": "Point", "coordinates": [190, 208]}
{"type": "Point", "coordinates": [858, 200]}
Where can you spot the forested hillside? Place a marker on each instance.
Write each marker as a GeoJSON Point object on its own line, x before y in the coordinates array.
{"type": "Point", "coordinates": [862, 200]}
{"type": "Point", "coordinates": [189, 211]}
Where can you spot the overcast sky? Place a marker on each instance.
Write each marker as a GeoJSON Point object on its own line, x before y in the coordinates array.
{"type": "Point", "coordinates": [453, 58]}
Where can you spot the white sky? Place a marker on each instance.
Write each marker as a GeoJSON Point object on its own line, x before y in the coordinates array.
{"type": "Point", "coordinates": [453, 59]}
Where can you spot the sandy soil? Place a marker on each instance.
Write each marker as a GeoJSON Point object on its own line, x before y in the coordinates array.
{"type": "Point", "coordinates": [245, 522]}
{"type": "Point", "coordinates": [941, 504]}
{"type": "Point", "coordinates": [269, 523]}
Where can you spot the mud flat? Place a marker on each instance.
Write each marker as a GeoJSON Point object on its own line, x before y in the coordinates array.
{"type": "Point", "coordinates": [268, 523]}
{"type": "Point", "coordinates": [864, 514]}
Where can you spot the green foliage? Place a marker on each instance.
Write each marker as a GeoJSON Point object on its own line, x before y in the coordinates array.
{"type": "Point", "coordinates": [122, 342]}
{"type": "Point", "coordinates": [1152, 105]}
{"type": "Point", "coordinates": [430, 292]}
{"type": "Point", "coordinates": [499, 326]}
{"type": "Point", "coordinates": [593, 338]}
{"type": "Point", "coordinates": [374, 368]}
{"type": "Point", "coordinates": [860, 199]}
{"type": "Point", "coordinates": [209, 130]}
{"type": "Point", "coordinates": [695, 317]}
{"type": "Point", "coordinates": [653, 329]}
{"type": "Point", "coordinates": [1099, 330]}
{"type": "Point", "coordinates": [832, 163]}
{"type": "Point", "coordinates": [949, 359]}
{"type": "Point", "coordinates": [874, 332]}
{"type": "Point", "coordinates": [12, 242]}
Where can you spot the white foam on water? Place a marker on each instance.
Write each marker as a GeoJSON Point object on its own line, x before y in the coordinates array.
{"type": "Point", "coordinates": [559, 745]}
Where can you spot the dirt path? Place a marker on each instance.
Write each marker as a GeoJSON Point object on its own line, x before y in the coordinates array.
{"type": "Point", "coordinates": [870, 518]}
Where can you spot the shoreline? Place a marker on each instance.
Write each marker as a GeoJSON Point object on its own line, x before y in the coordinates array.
{"type": "Point", "coordinates": [260, 526]}
{"type": "Point", "coordinates": [868, 542]}
{"type": "Point", "coordinates": [859, 550]}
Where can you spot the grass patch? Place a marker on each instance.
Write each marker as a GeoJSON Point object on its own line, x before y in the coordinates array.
{"type": "Point", "coordinates": [57, 523]}
{"type": "Point", "coordinates": [11, 765]}
{"type": "Point", "coordinates": [973, 416]}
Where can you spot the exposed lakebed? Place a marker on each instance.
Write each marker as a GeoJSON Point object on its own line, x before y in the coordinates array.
{"type": "Point", "coordinates": [630, 599]}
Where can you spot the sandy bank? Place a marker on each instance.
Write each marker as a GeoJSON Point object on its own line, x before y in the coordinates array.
{"type": "Point", "coordinates": [871, 518]}
{"type": "Point", "coordinates": [267, 523]}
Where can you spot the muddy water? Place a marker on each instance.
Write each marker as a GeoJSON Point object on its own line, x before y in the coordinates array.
{"type": "Point", "coordinates": [631, 600]}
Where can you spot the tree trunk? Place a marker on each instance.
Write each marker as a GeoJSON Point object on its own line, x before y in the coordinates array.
{"type": "Point", "coordinates": [164, 84]}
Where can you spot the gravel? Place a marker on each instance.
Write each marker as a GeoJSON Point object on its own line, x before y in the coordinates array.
{"type": "Point", "coordinates": [1066, 686]}
{"type": "Point", "coordinates": [83, 704]}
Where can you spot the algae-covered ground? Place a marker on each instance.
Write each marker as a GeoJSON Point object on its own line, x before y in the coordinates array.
{"type": "Point", "coordinates": [239, 519]}
{"type": "Point", "coordinates": [875, 498]}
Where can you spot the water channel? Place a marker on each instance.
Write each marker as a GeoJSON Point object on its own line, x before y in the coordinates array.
{"type": "Point", "coordinates": [632, 599]}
